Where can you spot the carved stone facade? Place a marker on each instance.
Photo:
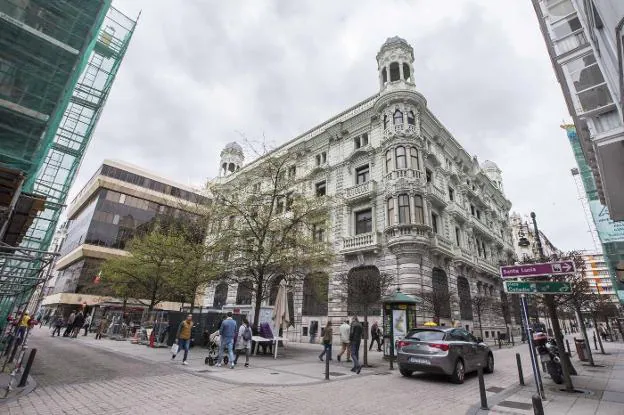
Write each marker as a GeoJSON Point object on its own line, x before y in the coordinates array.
{"type": "Point", "coordinates": [411, 201]}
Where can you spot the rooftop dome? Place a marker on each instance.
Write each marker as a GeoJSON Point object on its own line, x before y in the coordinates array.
{"type": "Point", "coordinates": [393, 42]}
{"type": "Point", "coordinates": [233, 146]}
{"type": "Point", "coordinates": [489, 165]}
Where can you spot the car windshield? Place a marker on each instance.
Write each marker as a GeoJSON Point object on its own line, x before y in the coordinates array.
{"type": "Point", "coordinates": [426, 335]}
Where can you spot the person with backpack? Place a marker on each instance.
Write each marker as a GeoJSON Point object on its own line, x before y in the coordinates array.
{"type": "Point", "coordinates": [243, 343]}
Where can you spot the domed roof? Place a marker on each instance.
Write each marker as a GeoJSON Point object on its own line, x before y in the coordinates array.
{"type": "Point", "coordinates": [489, 165]}
{"type": "Point", "coordinates": [233, 146]}
{"type": "Point", "coordinates": [393, 42]}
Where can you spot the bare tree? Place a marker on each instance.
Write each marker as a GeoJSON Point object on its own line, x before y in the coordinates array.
{"type": "Point", "coordinates": [270, 225]}
{"type": "Point", "coordinates": [437, 303]}
{"type": "Point", "coordinates": [483, 305]}
{"type": "Point", "coordinates": [362, 291]}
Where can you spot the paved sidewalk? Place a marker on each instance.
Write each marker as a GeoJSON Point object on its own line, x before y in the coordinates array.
{"type": "Point", "coordinates": [600, 388]}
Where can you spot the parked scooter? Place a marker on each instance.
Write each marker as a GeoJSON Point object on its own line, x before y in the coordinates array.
{"type": "Point", "coordinates": [549, 356]}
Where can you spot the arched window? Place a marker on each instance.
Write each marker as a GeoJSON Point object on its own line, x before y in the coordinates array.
{"type": "Point", "coordinates": [231, 167]}
{"type": "Point", "coordinates": [389, 161]}
{"type": "Point", "coordinates": [439, 282]}
{"type": "Point", "coordinates": [395, 73]}
{"type": "Point", "coordinates": [385, 121]}
{"type": "Point", "coordinates": [364, 291]}
{"type": "Point", "coordinates": [465, 301]}
{"type": "Point", "coordinates": [401, 161]}
{"type": "Point", "coordinates": [411, 118]}
{"type": "Point", "coordinates": [315, 292]}
{"type": "Point", "coordinates": [384, 76]}
{"type": "Point", "coordinates": [404, 209]}
{"type": "Point", "coordinates": [244, 292]}
{"type": "Point", "coordinates": [391, 211]}
{"type": "Point", "coordinates": [406, 72]}
{"type": "Point", "coordinates": [414, 162]}
{"type": "Point", "coordinates": [220, 295]}
{"type": "Point", "coordinates": [418, 209]}
{"type": "Point", "coordinates": [398, 117]}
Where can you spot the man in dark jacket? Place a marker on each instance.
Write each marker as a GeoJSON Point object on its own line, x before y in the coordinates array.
{"type": "Point", "coordinates": [78, 323]}
{"type": "Point", "coordinates": [356, 338]}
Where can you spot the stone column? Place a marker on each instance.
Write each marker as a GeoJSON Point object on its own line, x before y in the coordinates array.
{"type": "Point", "coordinates": [402, 76]}
{"type": "Point", "coordinates": [412, 208]}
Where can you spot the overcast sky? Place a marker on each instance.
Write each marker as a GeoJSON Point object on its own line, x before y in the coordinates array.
{"type": "Point", "coordinates": [198, 73]}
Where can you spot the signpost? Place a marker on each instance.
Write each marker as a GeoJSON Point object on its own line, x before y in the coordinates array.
{"type": "Point", "coordinates": [537, 270]}
{"type": "Point", "coordinates": [538, 287]}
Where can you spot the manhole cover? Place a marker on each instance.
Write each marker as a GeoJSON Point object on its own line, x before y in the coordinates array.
{"type": "Point", "coordinates": [495, 389]}
{"type": "Point", "coordinates": [336, 374]}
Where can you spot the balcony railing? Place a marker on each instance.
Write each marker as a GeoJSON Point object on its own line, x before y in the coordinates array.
{"type": "Point", "coordinates": [570, 42]}
{"type": "Point", "coordinates": [364, 241]}
{"type": "Point", "coordinates": [487, 265]}
{"type": "Point", "coordinates": [404, 174]}
{"type": "Point", "coordinates": [441, 243]}
{"type": "Point", "coordinates": [437, 193]}
{"type": "Point", "coordinates": [456, 209]}
{"type": "Point", "coordinates": [365, 189]}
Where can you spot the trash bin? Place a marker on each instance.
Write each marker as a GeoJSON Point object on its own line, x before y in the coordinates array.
{"type": "Point", "coordinates": [581, 349]}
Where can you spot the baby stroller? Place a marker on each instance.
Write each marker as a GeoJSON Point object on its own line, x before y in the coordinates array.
{"type": "Point", "coordinates": [214, 342]}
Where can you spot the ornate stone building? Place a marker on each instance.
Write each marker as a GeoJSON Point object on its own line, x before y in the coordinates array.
{"type": "Point", "coordinates": [410, 202]}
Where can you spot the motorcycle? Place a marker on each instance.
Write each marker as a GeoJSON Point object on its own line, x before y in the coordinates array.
{"type": "Point", "coordinates": [549, 356]}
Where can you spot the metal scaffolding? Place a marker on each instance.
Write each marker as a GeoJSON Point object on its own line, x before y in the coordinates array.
{"type": "Point", "coordinates": [72, 130]}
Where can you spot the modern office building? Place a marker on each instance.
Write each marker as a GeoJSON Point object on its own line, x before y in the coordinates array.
{"type": "Point", "coordinates": [58, 61]}
{"type": "Point", "coordinates": [610, 233]}
{"type": "Point", "coordinates": [116, 202]}
{"type": "Point", "coordinates": [585, 41]}
{"type": "Point", "coordinates": [409, 199]}
{"type": "Point", "coordinates": [597, 274]}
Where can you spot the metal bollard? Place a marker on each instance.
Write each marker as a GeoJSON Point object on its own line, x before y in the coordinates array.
{"type": "Point", "coordinates": [595, 342]}
{"type": "Point", "coordinates": [484, 404]}
{"type": "Point", "coordinates": [568, 347]}
{"type": "Point", "coordinates": [499, 343]}
{"type": "Point", "coordinates": [538, 409]}
{"type": "Point", "coordinates": [327, 356]}
{"type": "Point", "coordinates": [520, 375]}
{"type": "Point", "coordinates": [31, 359]}
{"type": "Point", "coordinates": [513, 343]}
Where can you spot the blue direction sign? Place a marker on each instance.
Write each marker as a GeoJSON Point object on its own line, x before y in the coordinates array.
{"type": "Point", "coordinates": [537, 270]}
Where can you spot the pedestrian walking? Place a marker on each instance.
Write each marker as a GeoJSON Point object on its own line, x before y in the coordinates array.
{"type": "Point", "coordinates": [603, 332]}
{"type": "Point", "coordinates": [23, 325]}
{"type": "Point", "coordinates": [70, 324]}
{"type": "Point", "coordinates": [355, 338]}
{"type": "Point", "coordinates": [58, 323]}
{"type": "Point", "coordinates": [326, 341]}
{"type": "Point", "coordinates": [243, 342]}
{"type": "Point", "coordinates": [227, 331]}
{"type": "Point", "coordinates": [87, 324]}
{"type": "Point", "coordinates": [101, 328]}
{"type": "Point", "coordinates": [345, 331]}
{"type": "Point", "coordinates": [375, 332]}
{"type": "Point", "coordinates": [78, 323]}
{"type": "Point", "coordinates": [184, 337]}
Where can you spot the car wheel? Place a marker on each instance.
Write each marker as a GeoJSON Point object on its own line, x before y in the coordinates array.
{"type": "Point", "coordinates": [459, 372]}
{"type": "Point", "coordinates": [489, 364]}
{"type": "Point", "coordinates": [406, 373]}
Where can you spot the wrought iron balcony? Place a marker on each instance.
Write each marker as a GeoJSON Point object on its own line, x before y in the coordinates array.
{"type": "Point", "coordinates": [362, 242]}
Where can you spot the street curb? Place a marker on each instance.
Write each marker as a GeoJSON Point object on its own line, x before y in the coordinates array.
{"type": "Point", "coordinates": [30, 386]}
{"type": "Point", "coordinates": [498, 398]}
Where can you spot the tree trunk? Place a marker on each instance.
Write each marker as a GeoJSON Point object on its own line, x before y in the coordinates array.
{"type": "Point", "coordinates": [581, 325]}
{"type": "Point", "coordinates": [599, 338]}
{"type": "Point", "coordinates": [480, 324]}
{"type": "Point", "coordinates": [193, 295]}
{"type": "Point", "coordinates": [565, 363]}
{"type": "Point", "coordinates": [258, 303]}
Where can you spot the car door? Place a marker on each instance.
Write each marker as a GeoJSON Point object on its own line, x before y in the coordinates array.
{"type": "Point", "coordinates": [481, 350]}
{"type": "Point", "coordinates": [470, 349]}
{"type": "Point", "coordinates": [463, 347]}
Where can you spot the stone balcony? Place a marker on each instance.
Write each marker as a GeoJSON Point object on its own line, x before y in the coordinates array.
{"type": "Point", "coordinates": [414, 236]}
{"type": "Point", "coordinates": [361, 191]}
{"type": "Point", "coordinates": [457, 211]}
{"type": "Point", "coordinates": [482, 227]}
{"type": "Point", "coordinates": [436, 195]}
{"type": "Point", "coordinates": [442, 245]}
{"type": "Point", "coordinates": [400, 130]}
{"type": "Point", "coordinates": [487, 265]}
{"type": "Point", "coordinates": [360, 243]}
